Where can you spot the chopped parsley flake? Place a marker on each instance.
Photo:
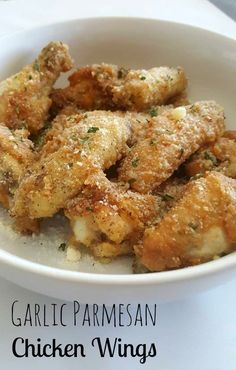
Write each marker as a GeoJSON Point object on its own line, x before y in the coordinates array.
{"type": "Point", "coordinates": [195, 177]}
{"type": "Point", "coordinates": [30, 77]}
{"type": "Point", "coordinates": [142, 78]}
{"type": "Point", "coordinates": [131, 181]}
{"type": "Point", "coordinates": [36, 66]}
{"type": "Point", "coordinates": [153, 112]}
{"type": "Point", "coordinates": [169, 132]}
{"type": "Point", "coordinates": [210, 157]}
{"type": "Point", "coordinates": [84, 140]}
{"type": "Point", "coordinates": [93, 129]}
{"type": "Point", "coordinates": [194, 108]}
{"type": "Point", "coordinates": [166, 197]}
{"type": "Point", "coordinates": [62, 247]}
{"type": "Point", "coordinates": [135, 162]}
{"type": "Point", "coordinates": [89, 209]}
{"type": "Point", "coordinates": [122, 72]}
{"type": "Point", "coordinates": [193, 225]}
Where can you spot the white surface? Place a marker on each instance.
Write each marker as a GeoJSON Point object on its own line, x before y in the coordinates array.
{"type": "Point", "coordinates": [18, 14]}
{"type": "Point", "coordinates": [194, 334]}
{"type": "Point", "coordinates": [136, 43]}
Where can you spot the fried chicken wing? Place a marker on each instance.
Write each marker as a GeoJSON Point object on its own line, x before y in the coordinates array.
{"type": "Point", "coordinates": [106, 86]}
{"type": "Point", "coordinates": [201, 226]}
{"type": "Point", "coordinates": [108, 218]}
{"type": "Point", "coordinates": [174, 136]}
{"type": "Point", "coordinates": [220, 156]}
{"type": "Point", "coordinates": [140, 122]}
{"type": "Point", "coordinates": [24, 97]}
{"type": "Point", "coordinates": [89, 89]}
{"type": "Point", "coordinates": [142, 89]}
{"type": "Point", "coordinates": [85, 144]}
{"type": "Point", "coordinates": [15, 156]}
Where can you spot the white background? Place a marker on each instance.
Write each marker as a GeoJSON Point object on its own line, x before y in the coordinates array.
{"type": "Point", "coordinates": [198, 333]}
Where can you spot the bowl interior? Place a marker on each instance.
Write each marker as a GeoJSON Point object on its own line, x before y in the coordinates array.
{"type": "Point", "coordinates": [210, 63]}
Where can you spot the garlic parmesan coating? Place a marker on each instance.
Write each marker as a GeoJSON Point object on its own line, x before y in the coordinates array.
{"type": "Point", "coordinates": [142, 89]}
{"type": "Point", "coordinates": [24, 97]}
{"type": "Point", "coordinates": [105, 86]}
{"type": "Point", "coordinates": [140, 122]}
{"type": "Point", "coordinates": [220, 156]}
{"type": "Point", "coordinates": [174, 136]}
{"type": "Point", "coordinates": [108, 218]}
{"type": "Point", "coordinates": [15, 156]}
{"type": "Point", "coordinates": [89, 88]}
{"type": "Point", "coordinates": [80, 146]}
{"type": "Point", "coordinates": [200, 227]}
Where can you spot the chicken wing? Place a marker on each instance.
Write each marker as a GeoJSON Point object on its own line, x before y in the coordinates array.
{"type": "Point", "coordinates": [106, 86]}
{"type": "Point", "coordinates": [108, 218]}
{"type": "Point", "coordinates": [220, 156]}
{"type": "Point", "coordinates": [24, 97]}
{"type": "Point", "coordinates": [142, 89]}
{"type": "Point", "coordinates": [175, 135]}
{"type": "Point", "coordinates": [201, 226]}
{"type": "Point", "coordinates": [139, 121]}
{"type": "Point", "coordinates": [85, 144]}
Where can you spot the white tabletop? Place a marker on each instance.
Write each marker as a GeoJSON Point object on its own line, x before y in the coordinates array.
{"type": "Point", "coordinates": [198, 333]}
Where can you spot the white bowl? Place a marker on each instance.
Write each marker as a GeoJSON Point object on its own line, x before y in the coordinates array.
{"type": "Point", "coordinates": [210, 62]}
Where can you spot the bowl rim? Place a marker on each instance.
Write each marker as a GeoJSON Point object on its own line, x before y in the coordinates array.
{"type": "Point", "coordinates": [155, 278]}
{"type": "Point", "coordinates": [116, 18]}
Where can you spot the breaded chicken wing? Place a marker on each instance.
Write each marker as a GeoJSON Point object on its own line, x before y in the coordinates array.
{"type": "Point", "coordinates": [108, 218]}
{"type": "Point", "coordinates": [140, 122]}
{"type": "Point", "coordinates": [142, 89]}
{"type": "Point", "coordinates": [24, 97]}
{"type": "Point", "coordinates": [106, 86]}
{"type": "Point", "coordinates": [220, 156]}
{"type": "Point", "coordinates": [86, 144]}
{"type": "Point", "coordinates": [15, 156]}
{"type": "Point", "coordinates": [175, 135]}
{"type": "Point", "coordinates": [89, 89]}
{"type": "Point", "coordinates": [201, 226]}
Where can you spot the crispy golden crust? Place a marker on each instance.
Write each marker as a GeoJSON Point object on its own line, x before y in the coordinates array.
{"type": "Point", "coordinates": [109, 215]}
{"type": "Point", "coordinates": [140, 122]}
{"type": "Point", "coordinates": [24, 97]}
{"type": "Point", "coordinates": [142, 89]}
{"type": "Point", "coordinates": [220, 156]}
{"type": "Point", "coordinates": [168, 193]}
{"type": "Point", "coordinates": [169, 143]}
{"type": "Point", "coordinates": [89, 89]}
{"type": "Point", "coordinates": [199, 227]}
{"type": "Point", "coordinates": [80, 146]}
{"type": "Point", "coordinates": [15, 156]}
{"type": "Point", "coordinates": [106, 86]}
